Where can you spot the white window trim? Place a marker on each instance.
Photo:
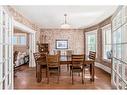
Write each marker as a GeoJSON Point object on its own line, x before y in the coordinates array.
{"type": "Point", "coordinates": [90, 33]}
{"type": "Point", "coordinates": [103, 31]}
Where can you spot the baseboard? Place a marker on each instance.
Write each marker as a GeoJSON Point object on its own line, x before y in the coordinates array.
{"type": "Point", "coordinates": [105, 68]}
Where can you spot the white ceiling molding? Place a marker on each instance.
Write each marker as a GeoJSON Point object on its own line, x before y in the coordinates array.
{"type": "Point", "coordinates": [22, 27]}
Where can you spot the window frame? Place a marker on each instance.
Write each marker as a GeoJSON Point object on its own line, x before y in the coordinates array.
{"type": "Point", "coordinates": [18, 36]}
{"type": "Point", "coordinates": [94, 32]}
{"type": "Point", "coordinates": [104, 43]}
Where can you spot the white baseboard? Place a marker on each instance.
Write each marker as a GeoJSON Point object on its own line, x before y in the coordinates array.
{"type": "Point", "coordinates": [105, 68]}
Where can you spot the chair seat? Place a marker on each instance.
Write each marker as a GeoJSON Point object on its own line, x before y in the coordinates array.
{"type": "Point", "coordinates": [77, 70]}
{"type": "Point", "coordinates": [53, 65]}
{"type": "Point", "coordinates": [76, 66]}
{"type": "Point", "coordinates": [55, 69]}
{"type": "Point", "coordinates": [44, 66]}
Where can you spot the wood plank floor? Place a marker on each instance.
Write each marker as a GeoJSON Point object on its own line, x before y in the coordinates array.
{"type": "Point", "coordinates": [25, 79]}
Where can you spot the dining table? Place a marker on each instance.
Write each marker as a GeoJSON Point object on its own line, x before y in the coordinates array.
{"type": "Point", "coordinates": [64, 59]}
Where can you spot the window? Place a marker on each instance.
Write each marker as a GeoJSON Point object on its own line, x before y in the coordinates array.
{"type": "Point", "coordinates": [119, 44]}
{"type": "Point", "coordinates": [6, 51]}
{"type": "Point", "coordinates": [15, 40]}
{"type": "Point", "coordinates": [19, 39]}
{"type": "Point", "coordinates": [91, 41]}
{"type": "Point", "coordinates": [106, 37]}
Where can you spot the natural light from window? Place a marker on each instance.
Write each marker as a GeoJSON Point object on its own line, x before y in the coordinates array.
{"type": "Point", "coordinates": [19, 39]}
{"type": "Point", "coordinates": [106, 37]}
{"type": "Point", "coordinates": [91, 38]}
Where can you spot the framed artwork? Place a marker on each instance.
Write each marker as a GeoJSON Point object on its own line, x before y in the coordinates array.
{"type": "Point", "coordinates": [61, 44]}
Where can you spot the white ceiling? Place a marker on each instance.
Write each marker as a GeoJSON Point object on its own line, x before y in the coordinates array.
{"type": "Point", "coordinates": [77, 16]}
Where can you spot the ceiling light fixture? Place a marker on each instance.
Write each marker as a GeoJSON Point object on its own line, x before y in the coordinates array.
{"type": "Point", "coordinates": [65, 25]}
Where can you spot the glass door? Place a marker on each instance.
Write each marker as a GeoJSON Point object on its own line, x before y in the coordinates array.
{"type": "Point", "coordinates": [119, 46]}
{"type": "Point", "coordinates": [6, 56]}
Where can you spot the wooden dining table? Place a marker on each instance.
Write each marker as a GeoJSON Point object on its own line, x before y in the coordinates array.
{"type": "Point", "coordinates": [67, 60]}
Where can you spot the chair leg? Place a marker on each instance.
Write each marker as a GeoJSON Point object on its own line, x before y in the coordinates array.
{"type": "Point", "coordinates": [72, 78]}
{"type": "Point", "coordinates": [90, 72]}
{"type": "Point", "coordinates": [48, 77]}
{"type": "Point", "coordinates": [36, 70]}
{"type": "Point", "coordinates": [79, 74]}
{"type": "Point", "coordinates": [70, 72]}
{"type": "Point", "coordinates": [46, 73]}
{"type": "Point", "coordinates": [67, 67]}
{"type": "Point", "coordinates": [59, 70]}
{"type": "Point", "coordinates": [84, 72]}
{"type": "Point", "coordinates": [58, 75]}
{"type": "Point", "coordinates": [82, 77]}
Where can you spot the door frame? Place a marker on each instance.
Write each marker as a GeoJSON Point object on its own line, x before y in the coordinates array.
{"type": "Point", "coordinates": [32, 40]}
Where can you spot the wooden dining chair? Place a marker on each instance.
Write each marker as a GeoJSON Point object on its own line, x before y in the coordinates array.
{"type": "Point", "coordinates": [53, 65]}
{"type": "Point", "coordinates": [57, 52]}
{"type": "Point", "coordinates": [69, 53]}
{"type": "Point", "coordinates": [92, 55]}
{"type": "Point", "coordinates": [77, 66]}
{"type": "Point", "coordinates": [88, 63]}
{"type": "Point", "coordinates": [40, 60]}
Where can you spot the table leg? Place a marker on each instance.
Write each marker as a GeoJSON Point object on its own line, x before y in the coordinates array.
{"type": "Point", "coordinates": [93, 72]}
{"type": "Point", "coordinates": [67, 67]}
{"type": "Point", "coordinates": [39, 73]}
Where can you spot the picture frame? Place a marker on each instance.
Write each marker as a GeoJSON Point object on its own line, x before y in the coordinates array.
{"type": "Point", "coordinates": [61, 44]}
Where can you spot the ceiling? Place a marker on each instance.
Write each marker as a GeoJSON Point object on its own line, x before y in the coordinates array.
{"type": "Point", "coordinates": [77, 16]}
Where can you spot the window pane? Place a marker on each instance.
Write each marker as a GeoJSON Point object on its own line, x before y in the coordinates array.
{"type": "Point", "coordinates": [124, 52]}
{"type": "Point", "coordinates": [22, 40]}
{"type": "Point", "coordinates": [115, 64]}
{"type": "Point", "coordinates": [108, 36]}
{"type": "Point", "coordinates": [118, 36]}
{"type": "Point", "coordinates": [107, 43]}
{"type": "Point", "coordinates": [124, 34]}
{"type": "Point", "coordinates": [14, 39]}
{"type": "Point", "coordinates": [118, 51]}
{"type": "Point", "coordinates": [91, 43]}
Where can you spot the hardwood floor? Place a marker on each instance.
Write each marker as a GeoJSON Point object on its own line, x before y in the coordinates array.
{"type": "Point", "coordinates": [25, 79]}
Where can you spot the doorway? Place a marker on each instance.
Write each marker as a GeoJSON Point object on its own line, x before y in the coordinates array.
{"type": "Point", "coordinates": [30, 40]}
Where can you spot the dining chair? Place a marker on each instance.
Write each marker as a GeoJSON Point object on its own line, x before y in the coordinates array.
{"type": "Point", "coordinates": [57, 52]}
{"type": "Point", "coordinates": [77, 66]}
{"type": "Point", "coordinates": [68, 54]}
{"type": "Point", "coordinates": [92, 55]}
{"type": "Point", "coordinates": [53, 65]}
{"type": "Point", "coordinates": [40, 60]}
{"type": "Point", "coordinates": [88, 63]}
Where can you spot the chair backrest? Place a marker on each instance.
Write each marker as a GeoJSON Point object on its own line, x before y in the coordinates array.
{"type": "Point", "coordinates": [92, 55]}
{"type": "Point", "coordinates": [69, 52]}
{"type": "Point", "coordinates": [38, 56]}
{"type": "Point", "coordinates": [53, 59]}
{"type": "Point", "coordinates": [77, 59]}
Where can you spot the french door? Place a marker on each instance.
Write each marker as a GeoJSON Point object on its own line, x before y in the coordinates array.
{"type": "Point", "coordinates": [6, 50]}
{"type": "Point", "coordinates": [119, 46]}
